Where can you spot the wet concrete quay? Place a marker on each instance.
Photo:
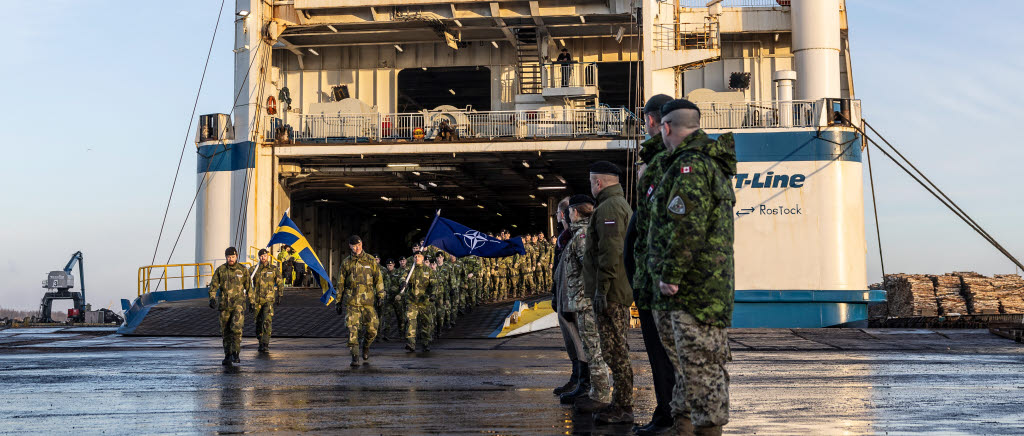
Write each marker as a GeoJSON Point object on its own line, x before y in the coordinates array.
{"type": "Point", "coordinates": [784, 381]}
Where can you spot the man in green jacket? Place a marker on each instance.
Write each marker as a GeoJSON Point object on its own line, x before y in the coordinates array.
{"type": "Point", "coordinates": [605, 282]}
{"type": "Point", "coordinates": [229, 290]}
{"type": "Point", "coordinates": [267, 287]}
{"type": "Point", "coordinates": [690, 256]}
{"type": "Point", "coordinates": [360, 285]}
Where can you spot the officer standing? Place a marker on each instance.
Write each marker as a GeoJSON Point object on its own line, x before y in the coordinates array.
{"type": "Point", "coordinates": [228, 293]}
{"type": "Point", "coordinates": [360, 282]}
{"type": "Point", "coordinates": [267, 287]}
{"type": "Point", "coordinates": [419, 305]}
{"type": "Point", "coordinates": [652, 153]}
{"type": "Point", "coordinates": [606, 283]}
{"type": "Point", "coordinates": [690, 256]}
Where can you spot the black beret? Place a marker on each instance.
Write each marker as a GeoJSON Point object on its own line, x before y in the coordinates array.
{"type": "Point", "coordinates": [678, 104]}
{"type": "Point", "coordinates": [262, 252]}
{"type": "Point", "coordinates": [354, 239]}
{"type": "Point", "coordinates": [604, 167]}
{"type": "Point", "coordinates": [389, 261]}
{"type": "Point", "coordinates": [655, 103]}
{"type": "Point", "coordinates": [231, 251]}
{"type": "Point", "coordinates": [579, 199]}
{"type": "Point", "coordinates": [439, 254]}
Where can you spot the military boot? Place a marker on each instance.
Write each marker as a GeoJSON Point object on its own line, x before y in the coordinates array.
{"type": "Point", "coordinates": [614, 414]}
{"type": "Point", "coordinates": [366, 351]}
{"type": "Point", "coordinates": [234, 357]}
{"type": "Point", "coordinates": [227, 359]}
{"type": "Point", "coordinates": [355, 357]}
{"type": "Point", "coordinates": [410, 348]}
{"type": "Point", "coordinates": [582, 388]}
{"type": "Point", "coordinates": [573, 379]}
{"type": "Point", "coordinates": [263, 348]}
{"type": "Point", "coordinates": [712, 430]}
{"type": "Point", "coordinates": [680, 426]}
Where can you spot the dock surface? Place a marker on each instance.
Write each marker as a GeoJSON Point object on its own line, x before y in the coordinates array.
{"type": "Point", "coordinates": [784, 381]}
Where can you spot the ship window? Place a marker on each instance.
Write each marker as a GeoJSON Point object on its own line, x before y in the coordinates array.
{"type": "Point", "coordinates": [428, 88]}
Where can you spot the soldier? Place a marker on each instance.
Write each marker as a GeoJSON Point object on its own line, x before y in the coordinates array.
{"type": "Point", "coordinates": [594, 391]}
{"type": "Point", "coordinates": [389, 284]}
{"type": "Point", "coordinates": [455, 296]}
{"type": "Point", "coordinates": [652, 153]}
{"type": "Point", "coordinates": [419, 305]}
{"type": "Point", "coordinates": [444, 282]}
{"type": "Point", "coordinates": [359, 282]}
{"type": "Point", "coordinates": [690, 257]}
{"type": "Point", "coordinates": [397, 281]}
{"type": "Point", "coordinates": [526, 267]}
{"type": "Point", "coordinates": [300, 268]}
{"type": "Point", "coordinates": [287, 266]}
{"type": "Point", "coordinates": [267, 287]}
{"type": "Point", "coordinates": [606, 283]}
{"type": "Point", "coordinates": [229, 289]}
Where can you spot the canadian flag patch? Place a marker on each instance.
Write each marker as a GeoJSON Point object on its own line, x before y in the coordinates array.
{"type": "Point", "coordinates": [650, 190]}
{"type": "Point", "coordinates": [685, 170]}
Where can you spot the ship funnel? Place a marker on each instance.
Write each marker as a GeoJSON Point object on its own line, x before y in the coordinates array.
{"type": "Point", "coordinates": [816, 48]}
{"type": "Point", "coordinates": [784, 95]}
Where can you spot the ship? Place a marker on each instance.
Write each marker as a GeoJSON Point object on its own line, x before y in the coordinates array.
{"type": "Point", "coordinates": [366, 117]}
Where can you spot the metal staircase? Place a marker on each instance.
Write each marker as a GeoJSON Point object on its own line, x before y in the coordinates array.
{"type": "Point", "coordinates": [528, 60]}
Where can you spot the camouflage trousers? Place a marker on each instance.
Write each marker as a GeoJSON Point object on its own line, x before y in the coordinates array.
{"type": "Point", "coordinates": [392, 307]}
{"type": "Point", "coordinates": [516, 291]}
{"type": "Point", "coordinates": [529, 286]}
{"type": "Point", "coordinates": [264, 317]}
{"type": "Point", "coordinates": [231, 321]}
{"type": "Point", "coordinates": [362, 324]}
{"type": "Point", "coordinates": [419, 323]}
{"type": "Point", "coordinates": [699, 353]}
{"type": "Point", "coordinates": [501, 288]}
{"type": "Point", "coordinates": [612, 324]}
{"type": "Point", "coordinates": [600, 375]}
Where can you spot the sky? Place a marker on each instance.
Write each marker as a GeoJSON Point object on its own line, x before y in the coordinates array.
{"type": "Point", "coordinates": [99, 96]}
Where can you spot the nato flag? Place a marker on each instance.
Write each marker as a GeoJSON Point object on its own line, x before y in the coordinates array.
{"type": "Point", "coordinates": [460, 241]}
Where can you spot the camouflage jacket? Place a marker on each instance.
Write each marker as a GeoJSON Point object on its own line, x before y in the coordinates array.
{"type": "Point", "coordinates": [504, 266]}
{"type": "Point", "coordinates": [360, 280]}
{"type": "Point", "coordinates": [604, 272]}
{"type": "Point", "coordinates": [652, 152]}
{"type": "Point", "coordinates": [470, 270]}
{"type": "Point", "coordinates": [230, 285]}
{"type": "Point", "coordinates": [690, 238]}
{"type": "Point", "coordinates": [573, 264]}
{"type": "Point", "coordinates": [267, 284]}
{"type": "Point", "coordinates": [422, 287]}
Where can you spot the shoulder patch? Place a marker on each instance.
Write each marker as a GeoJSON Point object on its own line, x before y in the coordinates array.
{"type": "Point", "coordinates": [650, 190]}
{"type": "Point", "coordinates": [685, 169]}
{"type": "Point", "coordinates": [677, 205]}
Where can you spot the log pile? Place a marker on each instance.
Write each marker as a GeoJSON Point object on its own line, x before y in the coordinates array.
{"type": "Point", "coordinates": [910, 295]}
{"type": "Point", "coordinates": [964, 293]}
{"type": "Point", "coordinates": [1010, 289]}
{"type": "Point", "coordinates": [981, 296]}
{"type": "Point", "coordinates": [947, 291]}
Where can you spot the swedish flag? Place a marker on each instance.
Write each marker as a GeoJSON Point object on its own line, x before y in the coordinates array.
{"type": "Point", "coordinates": [288, 233]}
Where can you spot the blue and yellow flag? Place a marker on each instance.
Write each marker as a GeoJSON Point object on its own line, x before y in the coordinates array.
{"type": "Point", "coordinates": [289, 234]}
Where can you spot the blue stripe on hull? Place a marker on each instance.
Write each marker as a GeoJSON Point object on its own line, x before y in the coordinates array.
{"type": "Point", "coordinates": [226, 157]}
{"type": "Point", "coordinates": [799, 146]}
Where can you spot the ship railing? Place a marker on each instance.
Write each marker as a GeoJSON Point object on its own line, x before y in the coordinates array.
{"type": "Point", "coordinates": [687, 36]}
{"type": "Point", "coordinates": [698, 4]}
{"type": "Point", "coordinates": [465, 124]}
{"type": "Point", "coordinates": [779, 114]}
{"type": "Point", "coordinates": [172, 277]}
{"type": "Point", "coordinates": [569, 75]}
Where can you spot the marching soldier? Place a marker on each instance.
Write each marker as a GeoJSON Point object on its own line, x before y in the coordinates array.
{"type": "Point", "coordinates": [360, 282]}
{"type": "Point", "coordinates": [389, 284]}
{"type": "Point", "coordinates": [228, 293]}
{"type": "Point", "coordinates": [419, 305]}
{"type": "Point", "coordinates": [267, 287]}
{"type": "Point", "coordinates": [300, 268]}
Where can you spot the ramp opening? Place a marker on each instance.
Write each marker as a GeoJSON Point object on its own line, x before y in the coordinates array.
{"type": "Point", "coordinates": [428, 88]}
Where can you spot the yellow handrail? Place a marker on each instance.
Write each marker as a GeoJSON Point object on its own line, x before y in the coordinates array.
{"type": "Point", "coordinates": [145, 275]}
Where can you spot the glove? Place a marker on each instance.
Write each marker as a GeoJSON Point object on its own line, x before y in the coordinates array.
{"type": "Point", "coordinates": [339, 308]}
{"type": "Point", "coordinates": [213, 303]}
{"type": "Point", "coordinates": [398, 297]}
{"type": "Point", "coordinates": [600, 303]}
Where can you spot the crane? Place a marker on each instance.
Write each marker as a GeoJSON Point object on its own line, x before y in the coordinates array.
{"type": "Point", "coordinates": [59, 284]}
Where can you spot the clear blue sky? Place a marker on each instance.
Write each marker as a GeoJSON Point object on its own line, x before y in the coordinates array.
{"type": "Point", "coordinates": [99, 94]}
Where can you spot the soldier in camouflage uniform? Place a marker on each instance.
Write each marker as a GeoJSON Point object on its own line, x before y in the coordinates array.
{"type": "Point", "coordinates": [690, 256]}
{"type": "Point", "coordinates": [443, 273]}
{"type": "Point", "coordinates": [605, 281]}
{"type": "Point", "coordinates": [595, 391]}
{"type": "Point", "coordinates": [267, 287]}
{"type": "Point", "coordinates": [471, 281]}
{"type": "Point", "coordinates": [419, 297]}
{"type": "Point", "coordinates": [360, 283]}
{"type": "Point", "coordinates": [527, 266]}
{"type": "Point", "coordinates": [397, 281]}
{"type": "Point", "coordinates": [229, 289]}
{"type": "Point", "coordinates": [388, 274]}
